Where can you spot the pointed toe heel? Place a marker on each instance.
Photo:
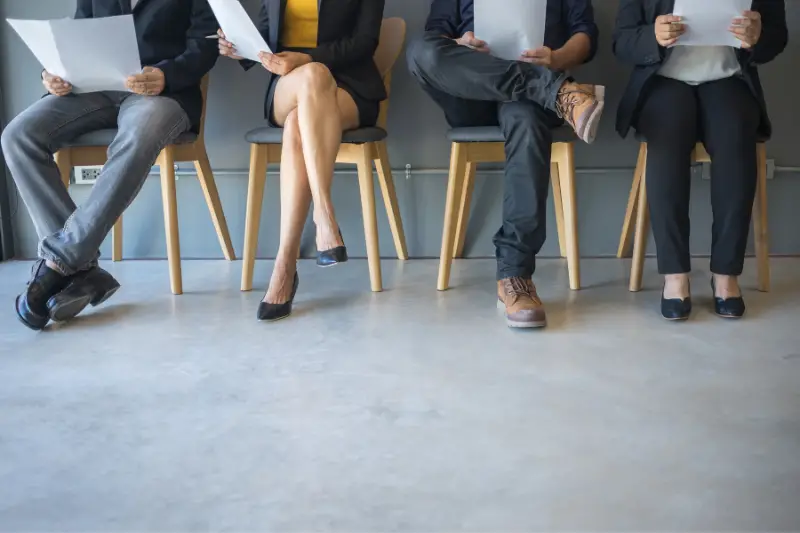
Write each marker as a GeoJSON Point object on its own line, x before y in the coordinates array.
{"type": "Point", "coordinates": [268, 312]}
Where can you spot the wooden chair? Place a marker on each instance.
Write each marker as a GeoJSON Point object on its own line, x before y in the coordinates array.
{"type": "Point", "coordinates": [361, 147]}
{"type": "Point", "coordinates": [471, 146]}
{"type": "Point", "coordinates": [91, 149]}
{"type": "Point", "coordinates": [635, 243]}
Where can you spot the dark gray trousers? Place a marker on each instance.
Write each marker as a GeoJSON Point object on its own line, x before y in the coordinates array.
{"type": "Point", "coordinates": [476, 89]}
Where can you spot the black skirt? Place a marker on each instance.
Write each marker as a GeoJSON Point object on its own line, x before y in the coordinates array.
{"type": "Point", "coordinates": [368, 110]}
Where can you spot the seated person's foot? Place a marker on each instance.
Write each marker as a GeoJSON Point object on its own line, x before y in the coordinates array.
{"type": "Point", "coordinates": [280, 285]}
{"type": "Point", "coordinates": [676, 300]}
{"type": "Point", "coordinates": [93, 286]}
{"type": "Point", "coordinates": [278, 301]}
{"type": "Point", "coordinates": [329, 236]}
{"type": "Point", "coordinates": [582, 107]}
{"type": "Point", "coordinates": [330, 243]}
{"type": "Point", "coordinates": [522, 306]}
{"type": "Point", "coordinates": [45, 283]}
{"type": "Point", "coordinates": [728, 301]}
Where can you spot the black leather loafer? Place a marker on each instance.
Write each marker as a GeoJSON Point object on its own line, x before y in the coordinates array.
{"type": "Point", "coordinates": [268, 312]}
{"type": "Point", "coordinates": [676, 309]}
{"type": "Point", "coordinates": [92, 287]}
{"type": "Point", "coordinates": [727, 307]}
{"type": "Point", "coordinates": [31, 305]}
{"type": "Point", "coordinates": [332, 257]}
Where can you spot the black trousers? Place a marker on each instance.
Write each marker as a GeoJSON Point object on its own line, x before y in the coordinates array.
{"type": "Point", "coordinates": [725, 116]}
{"type": "Point", "coordinates": [476, 89]}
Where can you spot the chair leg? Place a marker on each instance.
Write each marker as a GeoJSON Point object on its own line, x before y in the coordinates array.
{"type": "Point", "coordinates": [761, 222]}
{"type": "Point", "coordinates": [167, 164]}
{"type": "Point", "coordinates": [116, 241]}
{"type": "Point", "coordinates": [642, 233]}
{"type": "Point", "coordinates": [626, 239]}
{"type": "Point", "coordinates": [463, 213]}
{"type": "Point", "coordinates": [458, 166]}
{"type": "Point", "coordinates": [259, 159]}
{"type": "Point", "coordinates": [63, 160]}
{"type": "Point", "coordinates": [209, 186]}
{"type": "Point", "coordinates": [558, 202]}
{"type": "Point", "coordinates": [389, 192]}
{"type": "Point", "coordinates": [566, 173]}
{"type": "Point", "coordinates": [367, 186]}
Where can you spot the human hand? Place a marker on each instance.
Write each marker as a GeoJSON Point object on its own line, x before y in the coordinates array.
{"type": "Point", "coordinates": [747, 28]}
{"type": "Point", "coordinates": [55, 85]}
{"type": "Point", "coordinates": [470, 41]}
{"type": "Point", "coordinates": [151, 82]}
{"type": "Point", "coordinates": [285, 62]}
{"type": "Point", "coordinates": [544, 57]}
{"type": "Point", "coordinates": [669, 28]}
{"type": "Point", "coordinates": [226, 47]}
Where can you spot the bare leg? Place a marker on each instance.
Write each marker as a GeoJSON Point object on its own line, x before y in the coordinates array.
{"type": "Point", "coordinates": [295, 200]}
{"type": "Point", "coordinates": [324, 111]}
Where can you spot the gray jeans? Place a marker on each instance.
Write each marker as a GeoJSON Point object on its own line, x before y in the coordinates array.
{"type": "Point", "coordinates": [70, 236]}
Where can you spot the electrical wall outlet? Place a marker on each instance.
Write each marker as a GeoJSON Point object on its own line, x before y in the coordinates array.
{"type": "Point", "coordinates": [87, 175]}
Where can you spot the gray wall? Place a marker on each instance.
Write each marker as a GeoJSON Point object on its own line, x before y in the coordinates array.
{"type": "Point", "coordinates": [417, 128]}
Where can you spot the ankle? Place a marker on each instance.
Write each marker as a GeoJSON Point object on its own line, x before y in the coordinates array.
{"type": "Point", "coordinates": [677, 286]}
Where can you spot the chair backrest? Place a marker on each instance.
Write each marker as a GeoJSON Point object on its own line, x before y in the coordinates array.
{"type": "Point", "coordinates": [204, 91]}
{"type": "Point", "coordinates": [393, 37]}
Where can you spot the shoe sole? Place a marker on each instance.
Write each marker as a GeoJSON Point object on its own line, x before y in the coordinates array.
{"type": "Point", "coordinates": [332, 264]}
{"type": "Point", "coordinates": [729, 317]}
{"type": "Point", "coordinates": [675, 319]}
{"type": "Point", "coordinates": [519, 325]}
{"type": "Point", "coordinates": [592, 124]}
{"type": "Point", "coordinates": [66, 311]}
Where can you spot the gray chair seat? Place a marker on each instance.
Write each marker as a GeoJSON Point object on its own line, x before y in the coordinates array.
{"type": "Point", "coordinates": [562, 134]}
{"type": "Point", "coordinates": [106, 137]}
{"type": "Point", "coordinates": [268, 135]}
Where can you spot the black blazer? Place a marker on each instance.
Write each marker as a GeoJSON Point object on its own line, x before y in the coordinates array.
{"type": "Point", "coordinates": [171, 36]}
{"type": "Point", "coordinates": [348, 35]}
{"type": "Point", "coordinates": [635, 43]}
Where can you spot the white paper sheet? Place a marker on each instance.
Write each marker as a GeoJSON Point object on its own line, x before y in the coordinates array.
{"type": "Point", "coordinates": [91, 54]}
{"type": "Point", "coordinates": [239, 29]}
{"type": "Point", "coordinates": [510, 27]}
{"type": "Point", "coordinates": [707, 21]}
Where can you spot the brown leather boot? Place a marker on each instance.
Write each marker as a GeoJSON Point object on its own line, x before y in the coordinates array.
{"type": "Point", "coordinates": [582, 106]}
{"type": "Point", "coordinates": [523, 308]}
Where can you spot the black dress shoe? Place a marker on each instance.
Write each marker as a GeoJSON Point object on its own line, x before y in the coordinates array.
{"type": "Point", "coordinates": [31, 305]}
{"type": "Point", "coordinates": [93, 286]}
{"type": "Point", "coordinates": [676, 309]}
{"type": "Point", "coordinates": [727, 307]}
{"type": "Point", "coordinates": [268, 312]}
{"type": "Point", "coordinates": [332, 257]}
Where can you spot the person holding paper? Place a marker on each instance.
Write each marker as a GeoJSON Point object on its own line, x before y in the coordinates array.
{"type": "Point", "coordinates": [325, 82]}
{"type": "Point", "coordinates": [680, 95]}
{"type": "Point", "coordinates": [527, 98]}
{"type": "Point", "coordinates": [164, 101]}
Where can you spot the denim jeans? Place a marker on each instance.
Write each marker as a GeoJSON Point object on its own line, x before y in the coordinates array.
{"type": "Point", "coordinates": [70, 236]}
{"type": "Point", "coordinates": [476, 89]}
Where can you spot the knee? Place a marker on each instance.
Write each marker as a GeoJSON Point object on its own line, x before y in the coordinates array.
{"type": "Point", "coordinates": [423, 56]}
{"type": "Point", "coordinates": [17, 134]}
{"type": "Point", "coordinates": [315, 78]}
{"type": "Point", "coordinates": [155, 124]}
{"type": "Point", "coordinates": [523, 118]}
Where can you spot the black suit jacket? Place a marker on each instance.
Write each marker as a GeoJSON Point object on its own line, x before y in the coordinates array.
{"type": "Point", "coordinates": [348, 35]}
{"type": "Point", "coordinates": [171, 36]}
{"type": "Point", "coordinates": [635, 43]}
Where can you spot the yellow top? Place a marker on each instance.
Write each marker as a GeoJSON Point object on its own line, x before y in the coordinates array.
{"type": "Point", "coordinates": [300, 24]}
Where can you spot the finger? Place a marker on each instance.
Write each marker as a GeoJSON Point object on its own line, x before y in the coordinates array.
{"type": "Point", "coordinates": [665, 19]}
{"type": "Point", "coordinates": [670, 42]}
{"type": "Point", "coordinates": [477, 43]}
{"type": "Point", "coordinates": [743, 22]}
{"type": "Point", "coordinates": [752, 15]}
{"type": "Point", "coordinates": [221, 33]}
{"type": "Point", "coordinates": [738, 31]}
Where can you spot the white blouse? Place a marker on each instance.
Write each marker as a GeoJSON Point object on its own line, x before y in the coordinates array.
{"type": "Point", "coordinates": [700, 64]}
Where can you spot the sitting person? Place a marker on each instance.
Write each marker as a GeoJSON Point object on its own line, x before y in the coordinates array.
{"type": "Point", "coordinates": [527, 99]}
{"type": "Point", "coordinates": [686, 94]}
{"type": "Point", "coordinates": [325, 82]}
{"type": "Point", "coordinates": [164, 101]}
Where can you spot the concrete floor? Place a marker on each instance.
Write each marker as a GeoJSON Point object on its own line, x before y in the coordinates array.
{"type": "Point", "coordinates": [410, 410]}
